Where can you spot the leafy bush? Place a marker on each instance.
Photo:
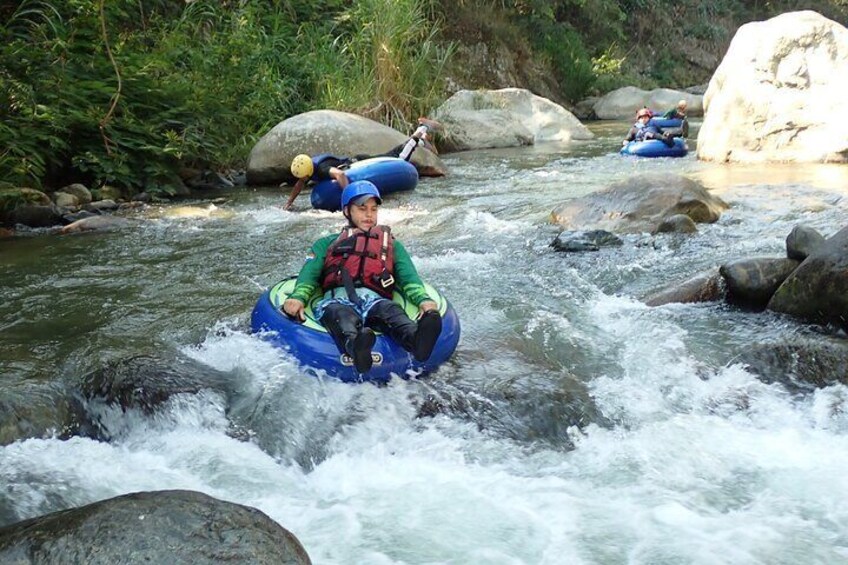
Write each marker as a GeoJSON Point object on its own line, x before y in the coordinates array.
{"type": "Point", "coordinates": [567, 55]}
{"type": "Point", "coordinates": [385, 63]}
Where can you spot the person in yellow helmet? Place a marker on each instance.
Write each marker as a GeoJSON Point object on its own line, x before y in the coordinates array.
{"type": "Point", "coordinates": [331, 167]}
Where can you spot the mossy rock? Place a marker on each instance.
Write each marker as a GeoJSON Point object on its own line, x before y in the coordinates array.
{"type": "Point", "coordinates": [107, 193]}
{"type": "Point", "coordinates": [12, 198]}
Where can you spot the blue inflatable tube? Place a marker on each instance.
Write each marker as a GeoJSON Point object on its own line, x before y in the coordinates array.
{"type": "Point", "coordinates": [666, 122]}
{"type": "Point", "coordinates": [315, 349]}
{"type": "Point", "coordinates": [390, 174]}
{"type": "Point", "coordinates": [656, 148]}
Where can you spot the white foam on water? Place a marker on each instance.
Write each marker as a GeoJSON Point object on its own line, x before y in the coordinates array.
{"type": "Point", "coordinates": [699, 464]}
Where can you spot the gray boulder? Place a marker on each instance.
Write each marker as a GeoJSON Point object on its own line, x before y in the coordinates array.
{"type": "Point", "coordinates": [817, 291]}
{"type": "Point", "coordinates": [509, 117]}
{"type": "Point", "coordinates": [37, 216]}
{"type": "Point", "coordinates": [327, 131]}
{"type": "Point", "coordinates": [639, 205]}
{"type": "Point", "coordinates": [175, 527]}
{"type": "Point", "coordinates": [80, 191]}
{"type": "Point", "coordinates": [65, 200]}
{"type": "Point", "coordinates": [802, 241]}
{"type": "Point", "coordinates": [708, 286]}
{"type": "Point", "coordinates": [752, 282]}
{"type": "Point", "coordinates": [622, 104]}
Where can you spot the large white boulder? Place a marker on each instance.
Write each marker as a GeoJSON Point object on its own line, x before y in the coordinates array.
{"type": "Point", "coordinates": [327, 131]}
{"type": "Point", "coordinates": [623, 103]}
{"type": "Point", "coordinates": [780, 93]}
{"type": "Point", "coordinates": [509, 117]}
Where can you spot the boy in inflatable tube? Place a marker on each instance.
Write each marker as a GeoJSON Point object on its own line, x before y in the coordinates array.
{"type": "Point", "coordinates": [643, 130]}
{"type": "Point", "coordinates": [358, 270]}
{"type": "Point", "coordinates": [329, 167]}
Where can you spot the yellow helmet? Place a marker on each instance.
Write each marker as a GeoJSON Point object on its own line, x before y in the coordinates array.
{"type": "Point", "coordinates": [302, 167]}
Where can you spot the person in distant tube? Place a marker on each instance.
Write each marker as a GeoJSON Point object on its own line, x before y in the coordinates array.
{"type": "Point", "coordinates": [678, 112]}
{"type": "Point", "coordinates": [644, 130]}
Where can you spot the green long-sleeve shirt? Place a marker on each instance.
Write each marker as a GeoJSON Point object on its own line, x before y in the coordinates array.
{"type": "Point", "coordinates": [404, 272]}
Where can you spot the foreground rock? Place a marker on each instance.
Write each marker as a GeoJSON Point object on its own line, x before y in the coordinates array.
{"type": "Point", "coordinates": [640, 205]}
{"type": "Point", "coordinates": [779, 93]}
{"type": "Point", "coordinates": [817, 291]}
{"type": "Point", "coordinates": [152, 527]}
{"type": "Point", "coordinates": [622, 104]}
{"type": "Point", "coordinates": [510, 117]}
{"type": "Point", "coordinates": [327, 131]}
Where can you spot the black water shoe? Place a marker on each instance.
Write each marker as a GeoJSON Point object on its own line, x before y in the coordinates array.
{"type": "Point", "coordinates": [429, 328]}
{"type": "Point", "coordinates": [361, 350]}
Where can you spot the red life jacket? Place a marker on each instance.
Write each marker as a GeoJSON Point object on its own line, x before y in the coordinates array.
{"type": "Point", "coordinates": [368, 257]}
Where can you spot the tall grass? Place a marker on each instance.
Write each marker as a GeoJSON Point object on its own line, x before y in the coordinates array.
{"type": "Point", "coordinates": [385, 63]}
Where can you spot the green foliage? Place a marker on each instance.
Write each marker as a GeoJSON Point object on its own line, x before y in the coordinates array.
{"type": "Point", "coordinates": [126, 92]}
{"type": "Point", "coordinates": [173, 83]}
{"type": "Point", "coordinates": [385, 63]}
{"type": "Point", "coordinates": [567, 55]}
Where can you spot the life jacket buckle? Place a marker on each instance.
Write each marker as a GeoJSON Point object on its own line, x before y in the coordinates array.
{"type": "Point", "coordinates": [386, 279]}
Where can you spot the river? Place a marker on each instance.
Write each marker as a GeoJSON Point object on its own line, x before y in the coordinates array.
{"type": "Point", "coordinates": [580, 425]}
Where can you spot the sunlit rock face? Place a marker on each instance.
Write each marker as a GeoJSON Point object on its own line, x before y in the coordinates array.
{"type": "Point", "coordinates": [622, 104]}
{"type": "Point", "coordinates": [509, 117]}
{"type": "Point", "coordinates": [779, 93]}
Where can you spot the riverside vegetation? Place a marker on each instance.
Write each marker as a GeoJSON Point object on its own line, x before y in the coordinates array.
{"type": "Point", "coordinates": [128, 92]}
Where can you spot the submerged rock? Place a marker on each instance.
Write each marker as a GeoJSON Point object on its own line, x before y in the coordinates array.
{"type": "Point", "coordinates": [677, 223]}
{"type": "Point", "coordinates": [803, 364]}
{"type": "Point", "coordinates": [145, 382]}
{"type": "Point", "coordinates": [36, 410]}
{"type": "Point", "coordinates": [152, 527]}
{"type": "Point", "coordinates": [585, 240]}
{"type": "Point", "coordinates": [96, 223]}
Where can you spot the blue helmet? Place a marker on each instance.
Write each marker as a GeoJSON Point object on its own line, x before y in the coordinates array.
{"type": "Point", "coordinates": [360, 188]}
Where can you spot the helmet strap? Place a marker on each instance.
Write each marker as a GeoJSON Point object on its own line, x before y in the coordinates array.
{"type": "Point", "coordinates": [346, 214]}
